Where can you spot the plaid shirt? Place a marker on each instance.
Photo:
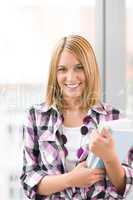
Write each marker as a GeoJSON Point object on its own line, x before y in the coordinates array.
{"type": "Point", "coordinates": [44, 156]}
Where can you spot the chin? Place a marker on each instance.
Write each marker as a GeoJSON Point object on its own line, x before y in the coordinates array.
{"type": "Point", "coordinates": [73, 96]}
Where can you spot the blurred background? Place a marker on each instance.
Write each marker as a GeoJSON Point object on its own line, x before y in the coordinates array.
{"type": "Point", "coordinates": [29, 29]}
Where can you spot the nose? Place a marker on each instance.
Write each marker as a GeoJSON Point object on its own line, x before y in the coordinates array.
{"type": "Point", "coordinates": [71, 75]}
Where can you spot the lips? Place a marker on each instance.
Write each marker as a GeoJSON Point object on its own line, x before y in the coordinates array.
{"type": "Point", "coordinates": [72, 85]}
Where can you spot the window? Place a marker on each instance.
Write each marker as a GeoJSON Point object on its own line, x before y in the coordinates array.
{"type": "Point", "coordinates": [30, 29]}
{"type": "Point", "coordinates": [129, 56]}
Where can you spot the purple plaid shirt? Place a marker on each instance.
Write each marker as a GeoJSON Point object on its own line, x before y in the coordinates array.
{"type": "Point", "coordinates": [43, 155]}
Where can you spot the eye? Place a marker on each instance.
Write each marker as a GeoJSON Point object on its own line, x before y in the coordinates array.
{"type": "Point", "coordinates": [79, 67]}
{"type": "Point", "coordinates": [61, 68]}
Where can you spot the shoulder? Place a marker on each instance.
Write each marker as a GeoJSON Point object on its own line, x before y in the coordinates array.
{"type": "Point", "coordinates": [38, 108]}
{"type": "Point", "coordinates": [107, 109]}
{"type": "Point", "coordinates": [110, 108]}
{"type": "Point", "coordinates": [42, 109]}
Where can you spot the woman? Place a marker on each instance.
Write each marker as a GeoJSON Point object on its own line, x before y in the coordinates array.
{"type": "Point", "coordinates": [58, 134]}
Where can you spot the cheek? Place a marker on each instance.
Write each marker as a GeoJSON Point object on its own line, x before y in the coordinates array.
{"type": "Point", "coordinates": [82, 75]}
{"type": "Point", "coordinates": [60, 79]}
{"type": "Point", "coordinates": [83, 78]}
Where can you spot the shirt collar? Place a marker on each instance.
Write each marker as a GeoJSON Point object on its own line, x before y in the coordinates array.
{"type": "Point", "coordinates": [44, 107]}
{"type": "Point", "coordinates": [98, 108]}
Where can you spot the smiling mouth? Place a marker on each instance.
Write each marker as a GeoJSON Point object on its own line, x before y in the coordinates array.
{"type": "Point", "coordinates": [72, 86]}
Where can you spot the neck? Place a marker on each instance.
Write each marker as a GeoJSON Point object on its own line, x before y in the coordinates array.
{"type": "Point", "coordinates": [74, 111]}
{"type": "Point", "coordinates": [72, 104]}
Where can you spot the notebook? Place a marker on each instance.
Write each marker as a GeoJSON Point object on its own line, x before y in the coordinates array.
{"type": "Point", "coordinates": [122, 132]}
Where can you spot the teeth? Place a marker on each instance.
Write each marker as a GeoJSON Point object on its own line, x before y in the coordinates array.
{"type": "Point", "coordinates": [72, 85]}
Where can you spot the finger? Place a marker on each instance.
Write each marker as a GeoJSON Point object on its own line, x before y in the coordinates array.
{"type": "Point", "coordinates": [106, 133]}
{"type": "Point", "coordinates": [100, 177]}
{"type": "Point", "coordinates": [94, 180]}
{"type": "Point", "coordinates": [99, 171]}
{"type": "Point", "coordinates": [94, 137]}
{"type": "Point", "coordinates": [82, 164]}
{"type": "Point", "coordinates": [96, 176]}
{"type": "Point", "coordinates": [94, 133]}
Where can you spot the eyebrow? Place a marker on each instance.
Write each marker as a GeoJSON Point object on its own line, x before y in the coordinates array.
{"type": "Point", "coordinates": [61, 65]}
{"type": "Point", "coordinates": [76, 65]}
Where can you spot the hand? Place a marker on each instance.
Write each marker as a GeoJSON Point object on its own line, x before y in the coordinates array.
{"type": "Point", "coordinates": [102, 145]}
{"type": "Point", "coordinates": [81, 176]}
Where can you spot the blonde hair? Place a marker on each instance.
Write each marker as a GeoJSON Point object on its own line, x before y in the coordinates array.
{"type": "Point", "coordinates": [83, 51]}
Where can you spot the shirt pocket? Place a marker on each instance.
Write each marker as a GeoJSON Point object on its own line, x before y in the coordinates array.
{"type": "Point", "coordinates": [49, 150]}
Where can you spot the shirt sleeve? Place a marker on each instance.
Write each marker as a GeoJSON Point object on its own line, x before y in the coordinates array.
{"type": "Point", "coordinates": [32, 171]}
{"type": "Point", "coordinates": [111, 190]}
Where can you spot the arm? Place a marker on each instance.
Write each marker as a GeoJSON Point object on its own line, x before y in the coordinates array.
{"type": "Point", "coordinates": [116, 173]}
{"type": "Point", "coordinates": [51, 184]}
{"type": "Point", "coordinates": [32, 172]}
{"type": "Point", "coordinates": [103, 146]}
{"type": "Point", "coordinates": [123, 190]}
{"type": "Point", "coordinates": [113, 167]}
{"type": "Point", "coordinates": [80, 176]}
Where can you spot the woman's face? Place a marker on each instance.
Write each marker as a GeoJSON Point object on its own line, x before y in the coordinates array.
{"type": "Point", "coordinates": [70, 76]}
